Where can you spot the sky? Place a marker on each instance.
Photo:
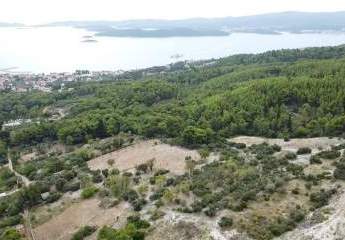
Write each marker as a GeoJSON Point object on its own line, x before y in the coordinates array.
{"type": "Point", "coordinates": [44, 11]}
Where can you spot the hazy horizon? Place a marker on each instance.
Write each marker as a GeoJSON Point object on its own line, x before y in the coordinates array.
{"type": "Point", "coordinates": [41, 12]}
{"type": "Point", "coordinates": [165, 19]}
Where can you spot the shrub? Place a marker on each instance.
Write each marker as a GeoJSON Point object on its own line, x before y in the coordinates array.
{"type": "Point", "coordinates": [138, 204]}
{"type": "Point", "coordinates": [161, 172]}
{"type": "Point", "coordinates": [339, 172]}
{"type": "Point", "coordinates": [142, 168]}
{"type": "Point", "coordinates": [331, 154]}
{"type": "Point", "coordinates": [137, 222]}
{"type": "Point", "coordinates": [320, 199]}
{"type": "Point", "coordinates": [118, 185]}
{"type": "Point", "coordinates": [111, 162]}
{"type": "Point", "coordinates": [130, 195]}
{"type": "Point", "coordinates": [83, 232]}
{"type": "Point", "coordinates": [315, 160]}
{"type": "Point", "coordinates": [204, 153]}
{"type": "Point", "coordinates": [11, 234]}
{"type": "Point", "coordinates": [276, 148]}
{"type": "Point", "coordinates": [303, 150]}
{"type": "Point", "coordinates": [89, 192]}
{"type": "Point", "coordinates": [290, 156]}
{"type": "Point", "coordinates": [339, 147]}
{"type": "Point", "coordinates": [10, 221]}
{"type": "Point", "coordinates": [97, 177]}
{"type": "Point", "coordinates": [134, 230]}
{"type": "Point", "coordinates": [281, 226]}
{"type": "Point", "coordinates": [74, 186]}
{"type": "Point", "coordinates": [210, 211]}
{"type": "Point", "coordinates": [53, 197]}
{"type": "Point", "coordinates": [295, 190]}
{"type": "Point", "coordinates": [297, 215]}
{"type": "Point", "coordinates": [240, 145]}
{"type": "Point", "coordinates": [157, 214]}
{"type": "Point", "coordinates": [225, 222]}
{"type": "Point", "coordinates": [295, 169]}
{"type": "Point", "coordinates": [263, 149]}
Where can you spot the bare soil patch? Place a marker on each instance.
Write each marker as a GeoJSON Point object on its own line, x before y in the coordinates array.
{"type": "Point", "coordinates": [166, 156]}
{"type": "Point", "coordinates": [28, 157]}
{"type": "Point", "coordinates": [316, 144]}
{"type": "Point", "coordinates": [86, 212]}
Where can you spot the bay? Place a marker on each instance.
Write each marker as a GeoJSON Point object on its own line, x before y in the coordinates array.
{"type": "Point", "coordinates": [64, 49]}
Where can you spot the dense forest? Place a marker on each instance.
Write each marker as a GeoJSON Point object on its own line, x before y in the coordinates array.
{"type": "Point", "coordinates": [287, 93]}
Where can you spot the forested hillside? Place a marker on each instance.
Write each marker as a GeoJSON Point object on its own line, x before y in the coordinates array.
{"type": "Point", "coordinates": [288, 93]}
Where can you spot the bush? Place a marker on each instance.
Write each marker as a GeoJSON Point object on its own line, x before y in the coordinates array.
{"type": "Point", "coordinates": [297, 215]}
{"type": "Point", "coordinates": [339, 147]}
{"type": "Point", "coordinates": [315, 160]}
{"type": "Point", "coordinates": [129, 232]}
{"type": "Point", "coordinates": [11, 234]}
{"type": "Point", "coordinates": [130, 195]}
{"type": "Point", "coordinates": [331, 154]}
{"type": "Point", "coordinates": [83, 232]}
{"type": "Point", "coordinates": [97, 177]}
{"type": "Point", "coordinates": [295, 190]}
{"type": "Point", "coordinates": [161, 172]}
{"type": "Point", "coordinates": [295, 169]}
{"type": "Point", "coordinates": [339, 172]}
{"type": "Point", "coordinates": [10, 221]}
{"type": "Point", "coordinates": [210, 211]}
{"type": "Point", "coordinates": [290, 156]}
{"type": "Point", "coordinates": [303, 150]}
{"type": "Point", "coordinates": [137, 222]}
{"type": "Point", "coordinates": [276, 148]}
{"type": "Point", "coordinates": [225, 222]}
{"type": "Point", "coordinates": [240, 145]}
{"type": "Point", "coordinates": [142, 168]}
{"type": "Point", "coordinates": [320, 199]}
{"type": "Point", "coordinates": [89, 192]}
{"type": "Point", "coordinates": [53, 197]}
{"type": "Point", "coordinates": [281, 226]}
{"type": "Point", "coordinates": [138, 204]}
{"type": "Point", "coordinates": [204, 153]}
{"type": "Point", "coordinates": [74, 186]}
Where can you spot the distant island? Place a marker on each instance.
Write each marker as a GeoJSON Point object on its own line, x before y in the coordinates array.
{"type": "Point", "coordinates": [271, 23]}
{"type": "Point", "coordinates": [5, 24]}
{"type": "Point", "coordinates": [89, 39]}
{"type": "Point", "coordinates": [162, 33]}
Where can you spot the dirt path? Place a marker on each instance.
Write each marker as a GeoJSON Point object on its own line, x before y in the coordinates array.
{"type": "Point", "coordinates": [27, 220]}
{"type": "Point", "coordinates": [25, 180]}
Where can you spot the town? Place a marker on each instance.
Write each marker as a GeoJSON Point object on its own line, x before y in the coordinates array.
{"type": "Point", "coordinates": [46, 82]}
{"type": "Point", "coordinates": [24, 82]}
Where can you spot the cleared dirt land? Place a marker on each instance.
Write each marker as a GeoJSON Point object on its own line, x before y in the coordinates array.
{"type": "Point", "coordinates": [293, 144]}
{"type": "Point", "coordinates": [86, 212]}
{"type": "Point", "coordinates": [166, 156]}
{"type": "Point", "coordinates": [315, 144]}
